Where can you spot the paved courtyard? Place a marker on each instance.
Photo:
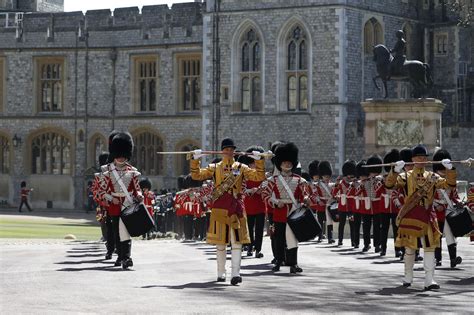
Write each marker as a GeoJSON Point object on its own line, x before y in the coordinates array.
{"type": "Point", "coordinates": [56, 276]}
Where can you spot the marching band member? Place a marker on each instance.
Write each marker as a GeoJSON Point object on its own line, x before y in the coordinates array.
{"type": "Point", "coordinates": [387, 206]}
{"type": "Point", "coordinates": [417, 220]}
{"type": "Point", "coordinates": [470, 204]}
{"type": "Point", "coordinates": [228, 221]}
{"type": "Point", "coordinates": [283, 192]}
{"type": "Point", "coordinates": [373, 185]}
{"type": "Point", "coordinates": [341, 192]}
{"type": "Point", "coordinates": [359, 200]}
{"type": "Point", "coordinates": [254, 206]}
{"type": "Point", "coordinates": [316, 204]}
{"type": "Point", "coordinates": [149, 199]}
{"type": "Point", "coordinates": [444, 200]}
{"type": "Point", "coordinates": [325, 173]}
{"type": "Point", "coordinates": [120, 174]}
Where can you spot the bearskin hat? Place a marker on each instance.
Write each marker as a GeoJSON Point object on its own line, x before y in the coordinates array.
{"type": "Point", "coordinates": [121, 146]}
{"type": "Point", "coordinates": [306, 176]}
{"type": "Point", "coordinates": [103, 158]}
{"type": "Point", "coordinates": [440, 155]}
{"type": "Point", "coordinates": [420, 150]}
{"type": "Point", "coordinates": [286, 152]}
{"type": "Point", "coordinates": [324, 168]}
{"type": "Point", "coordinates": [273, 148]}
{"type": "Point", "coordinates": [406, 154]}
{"type": "Point", "coordinates": [23, 184]}
{"type": "Point", "coordinates": [144, 183]}
{"type": "Point", "coordinates": [349, 168]}
{"type": "Point", "coordinates": [373, 160]}
{"type": "Point", "coordinates": [181, 182]}
{"type": "Point", "coordinates": [361, 170]}
{"type": "Point", "coordinates": [313, 168]}
{"type": "Point", "coordinates": [391, 157]}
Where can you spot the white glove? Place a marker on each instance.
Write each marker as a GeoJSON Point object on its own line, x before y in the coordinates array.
{"type": "Point", "coordinates": [197, 154]}
{"type": "Point", "coordinates": [399, 165]}
{"type": "Point", "coordinates": [447, 164]}
{"type": "Point", "coordinates": [255, 155]}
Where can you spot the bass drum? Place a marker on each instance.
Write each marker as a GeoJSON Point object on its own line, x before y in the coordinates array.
{"type": "Point", "coordinates": [459, 220]}
{"type": "Point", "coordinates": [333, 211]}
{"type": "Point", "coordinates": [304, 224]}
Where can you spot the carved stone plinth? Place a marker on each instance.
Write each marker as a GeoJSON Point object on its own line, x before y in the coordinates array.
{"type": "Point", "coordinates": [398, 123]}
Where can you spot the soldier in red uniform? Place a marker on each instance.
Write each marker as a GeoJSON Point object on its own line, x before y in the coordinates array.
{"type": "Point", "coordinates": [149, 200]}
{"type": "Point", "coordinates": [24, 192]}
{"type": "Point", "coordinates": [254, 206]}
{"type": "Point", "coordinates": [317, 205]}
{"type": "Point", "coordinates": [371, 215]}
{"type": "Point", "coordinates": [340, 192]}
{"type": "Point", "coordinates": [283, 192]}
{"type": "Point", "coordinates": [359, 200]}
{"type": "Point", "coordinates": [120, 173]}
{"type": "Point", "coordinates": [325, 196]}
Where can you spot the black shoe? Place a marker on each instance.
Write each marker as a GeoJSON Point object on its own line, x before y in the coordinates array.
{"type": "Point", "coordinates": [398, 253]}
{"type": "Point", "coordinates": [356, 246]}
{"type": "Point", "coordinates": [438, 263]}
{"type": "Point", "coordinates": [127, 263]}
{"type": "Point", "coordinates": [276, 267]}
{"type": "Point", "coordinates": [295, 269]}
{"type": "Point", "coordinates": [108, 256]}
{"type": "Point", "coordinates": [236, 280]}
{"type": "Point", "coordinates": [274, 261]}
{"type": "Point", "coordinates": [331, 241]}
{"type": "Point", "coordinates": [118, 262]}
{"type": "Point", "coordinates": [339, 243]}
{"type": "Point", "coordinates": [456, 261]}
{"type": "Point", "coordinates": [432, 287]}
{"type": "Point", "coordinates": [406, 284]}
{"type": "Point", "coordinates": [258, 255]}
{"type": "Point", "coordinates": [249, 253]}
{"type": "Point", "coordinates": [377, 249]}
{"type": "Point", "coordinates": [319, 240]}
{"type": "Point", "coordinates": [220, 279]}
{"type": "Point", "coordinates": [366, 248]}
{"type": "Point", "coordinates": [402, 256]}
{"type": "Point", "coordinates": [383, 253]}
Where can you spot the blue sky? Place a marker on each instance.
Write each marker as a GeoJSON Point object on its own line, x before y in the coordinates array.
{"type": "Point", "coordinates": [84, 5]}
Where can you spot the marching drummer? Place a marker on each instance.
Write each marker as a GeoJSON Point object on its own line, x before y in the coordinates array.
{"type": "Point", "coordinates": [284, 193]}
{"type": "Point", "coordinates": [325, 185]}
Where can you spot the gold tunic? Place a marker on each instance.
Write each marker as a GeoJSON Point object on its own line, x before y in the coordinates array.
{"type": "Point", "coordinates": [410, 182]}
{"type": "Point", "coordinates": [221, 224]}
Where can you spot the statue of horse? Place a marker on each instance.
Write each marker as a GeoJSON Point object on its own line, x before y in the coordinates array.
{"type": "Point", "coordinates": [413, 71]}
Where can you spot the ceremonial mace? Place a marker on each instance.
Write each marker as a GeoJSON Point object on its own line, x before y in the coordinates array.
{"type": "Point", "coordinates": [190, 153]}
{"type": "Point", "coordinates": [469, 162]}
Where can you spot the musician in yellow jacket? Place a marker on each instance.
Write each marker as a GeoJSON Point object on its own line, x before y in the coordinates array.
{"type": "Point", "coordinates": [417, 225]}
{"type": "Point", "coordinates": [228, 222]}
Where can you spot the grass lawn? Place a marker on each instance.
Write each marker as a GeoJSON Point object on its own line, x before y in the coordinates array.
{"type": "Point", "coordinates": [51, 228]}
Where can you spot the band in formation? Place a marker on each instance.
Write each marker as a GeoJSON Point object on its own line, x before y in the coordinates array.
{"type": "Point", "coordinates": [414, 196]}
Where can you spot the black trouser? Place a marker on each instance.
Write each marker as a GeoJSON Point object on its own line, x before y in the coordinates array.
{"type": "Point", "coordinates": [384, 227]}
{"type": "Point", "coordinates": [342, 225]}
{"type": "Point", "coordinates": [272, 236]}
{"type": "Point", "coordinates": [376, 232]}
{"type": "Point", "coordinates": [322, 221]}
{"type": "Point", "coordinates": [280, 241]}
{"type": "Point", "coordinates": [110, 235]}
{"type": "Point", "coordinates": [116, 236]}
{"type": "Point", "coordinates": [188, 227]}
{"type": "Point", "coordinates": [256, 225]}
{"type": "Point", "coordinates": [24, 202]}
{"type": "Point", "coordinates": [355, 232]}
{"type": "Point", "coordinates": [366, 227]}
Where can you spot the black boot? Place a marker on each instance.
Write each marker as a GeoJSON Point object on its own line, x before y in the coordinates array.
{"type": "Point", "coordinates": [294, 268]}
{"type": "Point", "coordinates": [126, 252]}
{"type": "Point", "coordinates": [455, 260]}
{"type": "Point", "coordinates": [330, 239]}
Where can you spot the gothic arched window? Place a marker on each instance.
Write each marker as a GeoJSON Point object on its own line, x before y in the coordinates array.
{"type": "Point", "coordinates": [297, 70]}
{"type": "Point", "coordinates": [51, 154]}
{"type": "Point", "coordinates": [250, 89]}
{"type": "Point", "coordinates": [144, 156]}
{"type": "Point", "coordinates": [373, 35]}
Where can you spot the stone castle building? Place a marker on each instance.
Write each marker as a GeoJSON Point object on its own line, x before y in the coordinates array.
{"type": "Point", "coordinates": [187, 76]}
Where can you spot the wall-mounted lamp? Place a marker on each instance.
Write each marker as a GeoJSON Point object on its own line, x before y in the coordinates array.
{"type": "Point", "coordinates": [16, 141]}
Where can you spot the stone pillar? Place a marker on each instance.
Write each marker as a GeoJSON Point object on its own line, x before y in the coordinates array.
{"type": "Point", "coordinates": [397, 123]}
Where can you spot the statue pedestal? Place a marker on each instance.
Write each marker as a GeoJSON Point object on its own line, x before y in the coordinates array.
{"type": "Point", "coordinates": [398, 123]}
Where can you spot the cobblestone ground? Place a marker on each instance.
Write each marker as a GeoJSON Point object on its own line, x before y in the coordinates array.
{"type": "Point", "coordinates": [56, 276]}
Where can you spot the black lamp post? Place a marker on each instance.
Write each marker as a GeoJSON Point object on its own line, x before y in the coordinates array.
{"type": "Point", "coordinates": [16, 141]}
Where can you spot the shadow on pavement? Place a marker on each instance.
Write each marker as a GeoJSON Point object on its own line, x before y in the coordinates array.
{"type": "Point", "coordinates": [103, 268]}
{"type": "Point", "coordinates": [86, 255]}
{"type": "Point", "coordinates": [213, 285]}
{"type": "Point", "coordinates": [467, 281]}
{"type": "Point", "coordinates": [342, 250]}
{"type": "Point", "coordinates": [399, 290]}
{"type": "Point", "coordinates": [94, 261]}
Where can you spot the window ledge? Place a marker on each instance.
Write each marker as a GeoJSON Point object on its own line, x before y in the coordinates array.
{"type": "Point", "coordinates": [50, 113]}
